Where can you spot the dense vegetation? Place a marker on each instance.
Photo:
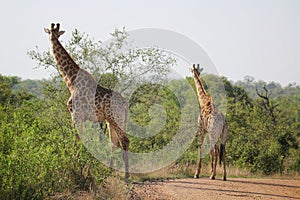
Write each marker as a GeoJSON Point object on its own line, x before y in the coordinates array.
{"type": "Point", "coordinates": [39, 153]}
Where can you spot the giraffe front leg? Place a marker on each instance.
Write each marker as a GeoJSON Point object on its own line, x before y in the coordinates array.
{"type": "Point", "coordinates": [125, 146]}
{"type": "Point", "coordinates": [201, 137]}
{"type": "Point", "coordinates": [125, 158]}
{"type": "Point", "coordinates": [113, 140]}
{"type": "Point", "coordinates": [69, 105]}
{"type": "Point", "coordinates": [200, 157]}
{"type": "Point", "coordinates": [212, 158]}
{"type": "Point", "coordinates": [214, 162]}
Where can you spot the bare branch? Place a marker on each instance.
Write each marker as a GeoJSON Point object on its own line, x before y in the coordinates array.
{"type": "Point", "coordinates": [267, 104]}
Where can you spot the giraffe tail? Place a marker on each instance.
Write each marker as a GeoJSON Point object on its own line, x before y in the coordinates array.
{"type": "Point", "coordinates": [222, 148]}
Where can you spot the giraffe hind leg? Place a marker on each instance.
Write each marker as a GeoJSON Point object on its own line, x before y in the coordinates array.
{"type": "Point", "coordinates": [125, 147]}
{"type": "Point", "coordinates": [119, 138]}
{"type": "Point", "coordinates": [224, 161]}
{"type": "Point", "coordinates": [223, 149]}
{"type": "Point", "coordinates": [114, 142]}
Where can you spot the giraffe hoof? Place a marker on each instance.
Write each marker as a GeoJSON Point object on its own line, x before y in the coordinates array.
{"type": "Point", "coordinates": [224, 179]}
{"type": "Point", "coordinates": [212, 178]}
{"type": "Point", "coordinates": [196, 176]}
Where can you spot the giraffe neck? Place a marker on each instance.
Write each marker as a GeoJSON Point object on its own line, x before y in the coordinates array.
{"type": "Point", "coordinates": [205, 100]}
{"type": "Point", "coordinates": [66, 65]}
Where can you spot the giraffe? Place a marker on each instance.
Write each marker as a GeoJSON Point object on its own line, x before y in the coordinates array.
{"type": "Point", "coordinates": [88, 100]}
{"type": "Point", "coordinates": [212, 122]}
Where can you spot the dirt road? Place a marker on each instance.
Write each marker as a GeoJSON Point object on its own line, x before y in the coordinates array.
{"type": "Point", "coordinates": [234, 188]}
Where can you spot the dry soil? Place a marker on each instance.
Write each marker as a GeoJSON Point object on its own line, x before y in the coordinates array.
{"type": "Point", "coordinates": [233, 188]}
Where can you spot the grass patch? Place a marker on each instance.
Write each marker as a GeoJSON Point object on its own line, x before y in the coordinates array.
{"type": "Point", "coordinates": [113, 188]}
{"type": "Point", "coordinates": [187, 171]}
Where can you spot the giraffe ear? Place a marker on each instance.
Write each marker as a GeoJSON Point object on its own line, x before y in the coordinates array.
{"type": "Point", "coordinates": [60, 33]}
{"type": "Point", "coordinates": [47, 30]}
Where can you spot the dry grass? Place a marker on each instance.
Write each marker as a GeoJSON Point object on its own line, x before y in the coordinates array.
{"type": "Point", "coordinates": [79, 195]}
{"type": "Point", "coordinates": [187, 171]}
{"type": "Point", "coordinates": [113, 189]}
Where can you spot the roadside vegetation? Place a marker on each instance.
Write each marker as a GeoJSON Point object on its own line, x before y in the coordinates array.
{"type": "Point", "coordinates": [40, 156]}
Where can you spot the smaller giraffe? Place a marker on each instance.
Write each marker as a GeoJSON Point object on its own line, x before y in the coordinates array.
{"type": "Point", "coordinates": [89, 101]}
{"type": "Point", "coordinates": [212, 122]}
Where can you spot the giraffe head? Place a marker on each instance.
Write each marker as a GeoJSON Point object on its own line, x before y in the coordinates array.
{"type": "Point", "coordinates": [54, 32]}
{"type": "Point", "coordinates": [197, 70]}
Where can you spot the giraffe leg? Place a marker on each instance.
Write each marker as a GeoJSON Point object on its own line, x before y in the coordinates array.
{"type": "Point", "coordinates": [200, 156]}
{"type": "Point", "coordinates": [223, 149]}
{"type": "Point", "coordinates": [114, 143]}
{"type": "Point", "coordinates": [125, 147]}
{"type": "Point", "coordinates": [118, 137]}
{"type": "Point", "coordinates": [216, 152]}
{"type": "Point", "coordinates": [212, 159]}
{"type": "Point", "coordinates": [224, 163]}
{"type": "Point", "coordinates": [78, 124]}
{"type": "Point", "coordinates": [125, 158]}
{"type": "Point", "coordinates": [201, 137]}
{"type": "Point", "coordinates": [69, 105]}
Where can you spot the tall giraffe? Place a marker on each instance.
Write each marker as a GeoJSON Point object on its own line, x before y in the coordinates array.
{"type": "Point", "coordinates": [212, 122]}
{"type": "Point", "coordinates": [90, 101]}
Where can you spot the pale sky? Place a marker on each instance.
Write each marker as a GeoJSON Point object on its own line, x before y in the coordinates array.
{"type": "Point", "coordinates": [260, 38]}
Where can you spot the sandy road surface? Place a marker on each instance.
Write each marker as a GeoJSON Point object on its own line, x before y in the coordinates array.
{"type": "Point", "coordinates": [234, 188]}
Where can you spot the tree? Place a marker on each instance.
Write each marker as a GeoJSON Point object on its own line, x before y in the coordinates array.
{"type": "Point", "coordinates": [7, 93]}
{"type": "Point", "coordinates": [131, 66]}
{"type": "Point", "coordinates": [268, 105]}
{"type": "Point", "coordinates": [261, 137]}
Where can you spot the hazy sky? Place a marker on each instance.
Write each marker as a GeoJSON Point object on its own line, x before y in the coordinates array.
{"type": "Point", "coordinates": [260, 38]}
